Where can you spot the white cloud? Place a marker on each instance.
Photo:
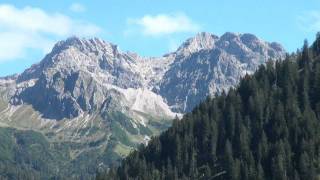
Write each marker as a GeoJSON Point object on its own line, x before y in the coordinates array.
{"type": "Point", "coordinates": [162, 24]}
{"type": "Point", "coordinates": [14, 45]}
{"type": "Point", "coordinates": [77, 7]}
{"type": "Point", "coordinates": [33, 28]}
{"type": "Point", "coordinates": [309, 21]}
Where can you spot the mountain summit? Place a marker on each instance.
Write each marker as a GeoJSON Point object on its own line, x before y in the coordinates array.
{"type": "Point", "coordinates": [208, 64]}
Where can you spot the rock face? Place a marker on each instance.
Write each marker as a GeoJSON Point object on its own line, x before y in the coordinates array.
{"type": "Point", "coordinates": [88, 92]}
{"type": "Point", "coordinates": [207, 64]}
{"type": "Point", "coordinates": [78, 76]}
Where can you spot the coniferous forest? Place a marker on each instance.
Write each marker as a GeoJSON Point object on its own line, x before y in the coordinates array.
{"type": "Point", "coordinates": [266, 128]}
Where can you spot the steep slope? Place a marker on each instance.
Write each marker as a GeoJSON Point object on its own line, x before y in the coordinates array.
{"type": "Point", "coordinates": [266, 128]}
{"type": "Point", "coordinates": [78, 75]}
{"type": "Point", "coordinates": [207, 64]}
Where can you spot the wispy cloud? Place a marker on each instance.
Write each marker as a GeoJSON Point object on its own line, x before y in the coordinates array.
{"type": "Point", "coordinates": [309, 21]}
{"type": "Point", "coordinates": [77, 7]}
{"type": "Point", "coordinates": [162, 24]}
{"type": "Point", "coordinates": [33, 28]}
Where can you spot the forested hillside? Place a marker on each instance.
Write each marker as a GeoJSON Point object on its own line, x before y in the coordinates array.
{"type": "Point", "coordinates": [266, 128]}
{"type": "Point", "coordinates": [28, 155]}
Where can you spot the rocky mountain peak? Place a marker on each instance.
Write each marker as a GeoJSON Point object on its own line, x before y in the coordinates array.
{"type": "Point", "coordinates": [248, 38]}
{"type": "Point", "coordinates": [86, 45]}
{"type": "Point", "coordinates": [229, 36]}
{"type": "Point", "coordinates": [199, 42]}
{"type": "Point", "coordinates": [208, 64]}
{"type": "Point", "coordinates": [76, 54]}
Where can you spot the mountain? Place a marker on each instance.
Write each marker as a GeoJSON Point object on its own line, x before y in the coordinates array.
{"type": "Point", "coordinates": [83, 75]}
{"type": "Point", "coordinates": [265, 128]}
{"type": "Point", "coordinates": [208, 64]}
{"type": "Point", "coordinates": [92, 103]}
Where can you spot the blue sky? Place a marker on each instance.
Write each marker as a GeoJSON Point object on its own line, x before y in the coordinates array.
{"type": "Point", "coordinates": [28, 29]}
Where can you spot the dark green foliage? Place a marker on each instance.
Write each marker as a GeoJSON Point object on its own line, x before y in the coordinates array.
{"type": "Point", "coordinates": [25, 155]}
{"type": "Point", "coordinates": [266, 128]}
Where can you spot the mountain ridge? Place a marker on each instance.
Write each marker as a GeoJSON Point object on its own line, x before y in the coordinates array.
{"type": "Point", "coordinates": [129, 70]}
